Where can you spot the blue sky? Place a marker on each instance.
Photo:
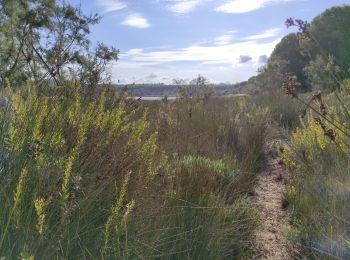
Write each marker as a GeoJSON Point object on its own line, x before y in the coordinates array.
{"type": "Point", "coordinates": [224, 40]}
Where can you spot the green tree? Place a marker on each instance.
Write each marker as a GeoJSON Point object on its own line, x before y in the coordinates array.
{"type": "Point", "coordinates": [45, 40]}
{"type": "Point", "coordinates": [198, 88]}
{"type": "Point", "coordinates": [332, 34]}
{"type": "Point", "coordinates": [287, 57]}
{"type": "Point", "coordinates": [321, 74]}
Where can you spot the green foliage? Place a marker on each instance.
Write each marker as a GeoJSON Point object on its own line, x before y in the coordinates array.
{"type": "Point", "coordinates": [40, 208]}
{"type": "Point", "coordinates": [116, 224]}
{"type": "Point", "coordinates": [331, 30]}
{"type": "Point", "coordinates": [47, 40]}
{"type": "Point", "coordinates": [321, 74]}
{"type": "Point", "coordinates": [214, 174]}
{"type": "Point", "coordinates": [320, 183]}
{"type": "Point", "coordinates": [287, 57]}
{"type": "Point", "coordinates": [84, 176]}
{"type": "Point", "coordinates": [203, 216]}
{"type": "Point", "coordinates": [200, 207]}
{"type": "Point", "coordinates": [231, 128]}
{"type": "Point", "coordinates": [307, 53]}
{"type": "Point", "coordinates": [67, 161]}
{"type": "Point", "coordinates": [282, 109]}
{"type": "Point", "coordinates": [198, 88]}
{"type": "Point", "coordinates": [319, 151]}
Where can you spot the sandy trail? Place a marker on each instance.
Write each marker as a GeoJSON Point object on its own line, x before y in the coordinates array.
{"type": "Point", "coordinates": [275, 222]}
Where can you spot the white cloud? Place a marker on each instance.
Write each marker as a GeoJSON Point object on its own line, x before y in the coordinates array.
{"type": "Point", "coordinates": [210, 54]}
{"type": "Point", "coordinates": [135, 51]}
{"type": "Point", "coordinates": [245, 6]}
{"type": "Point", "coordinates": [225, 39]}
{"type": "Point", "coordinates": [273, 32]}
{"type": "Point", "coordinates": [111, 5]}
{"type": "Point", "coordinates": [226, 62]}
{"type": "Point", "coordinates": [222, 73]}
{"type": "Point", "coordinates": [136, 20]}
{"type": "Point", "coordinates": [181, 7]}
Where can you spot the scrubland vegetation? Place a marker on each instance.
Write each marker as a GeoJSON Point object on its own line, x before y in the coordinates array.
{"type": "Point", "coordinates": [111, 177]}
{"type": "Point", "coordinates": [87, 173]}
{"type": "Point", "coordinates": [318, 193]}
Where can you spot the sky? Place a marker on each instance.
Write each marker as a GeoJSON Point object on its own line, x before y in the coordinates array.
{"type": "Point", "coordinates": [224, 40]}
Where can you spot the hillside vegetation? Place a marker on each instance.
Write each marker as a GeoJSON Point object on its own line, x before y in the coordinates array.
{"type": "Point", "coordinates": [317, 154]}
{"type": "Point", "coordinates": [86, 173]}
{"type": "Point", "coordinates": [318, 55]}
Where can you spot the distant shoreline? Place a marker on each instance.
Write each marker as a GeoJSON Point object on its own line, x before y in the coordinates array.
{"type": "Point", "coordinates": [161, 90]}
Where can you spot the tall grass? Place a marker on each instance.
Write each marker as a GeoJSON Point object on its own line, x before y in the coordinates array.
{"type": "Point", "coordinates": [318, 156]}
{"type": "Point", "coordinates": [283, 111]}
{"type": "Point", "coordinates": [200, 217]}
{"type": "Point", "coordinates": [319, 191]}
{"type": "Point", "coordinates": [69, 168]}
{"type": "Point", "coordinates": [220, 127]}
{"type": "Point", "coordinates": [100, 176]}
{"type": "Point", "coordinates": [214, 149]}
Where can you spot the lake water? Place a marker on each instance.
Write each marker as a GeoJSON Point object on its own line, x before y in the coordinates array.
{"type": "Point", "coordinates": [152, 98]}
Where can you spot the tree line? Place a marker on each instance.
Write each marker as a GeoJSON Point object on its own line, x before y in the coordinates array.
{"type": "Point", "coordinates": [315, 67]}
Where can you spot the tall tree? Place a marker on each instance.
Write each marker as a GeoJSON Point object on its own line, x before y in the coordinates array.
{"type": "Point", "coordinates": [44, 40]}
{"type": "Point", "coordinates": [331, 30]}
{"type": "Point", "coordinates": [287, 57]}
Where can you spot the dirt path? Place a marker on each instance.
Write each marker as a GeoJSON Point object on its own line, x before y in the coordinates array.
{"type": "Point", "coordinates": [270, 237]}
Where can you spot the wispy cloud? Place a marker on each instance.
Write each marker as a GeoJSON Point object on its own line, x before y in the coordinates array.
{"type": "Point", "coordinates": [181, 7]}
{"type": "Point", "coordinates": [111, 5]}
{"type": "Point", "coordinates": [136, 20]}
{"type": "Point", "coordinates": [135, 51]}
{"type": "Point", "coordinates": [245, 6]}
{"type": "Point", "coordinates": [231, 53]}
{"type": "Point", "coordinates": [273, 32]}
{"type": "Point", "coordinates": [232, 62]}
{"type": "Point", "coordinates": [225, 39]}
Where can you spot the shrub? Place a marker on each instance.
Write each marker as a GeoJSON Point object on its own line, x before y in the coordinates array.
{"type": "Point", "coordinates": [84, 175]}
{"type": "Point", "coordinates": [320, 74]}
{"type": "Point", "coordinates": [319, 193]}
{"type": "Point", "coordinates": [203, 217]}
{"type": "Point", "coordinates": [198, 88]}
{"type": "Point", "coordinates": [71, 172]}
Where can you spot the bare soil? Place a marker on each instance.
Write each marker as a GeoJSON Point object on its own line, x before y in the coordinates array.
{"type": "Point", "coordinates": [270, 238]}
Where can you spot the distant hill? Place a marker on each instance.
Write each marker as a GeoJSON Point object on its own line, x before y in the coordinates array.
{"type": "Point", "coordinates": [138, 90]}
